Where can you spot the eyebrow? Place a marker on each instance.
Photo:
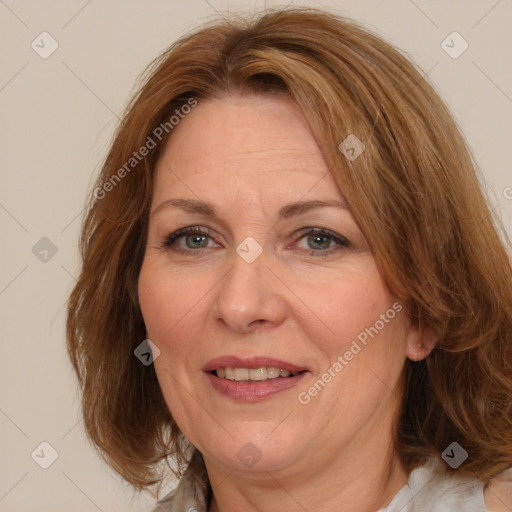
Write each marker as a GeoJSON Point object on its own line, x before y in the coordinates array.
{"type": "Point", "coordinates": [285, 212]}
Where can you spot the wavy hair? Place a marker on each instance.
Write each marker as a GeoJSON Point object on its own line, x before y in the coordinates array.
{"type": "Point", "coordinates": [414, 192]}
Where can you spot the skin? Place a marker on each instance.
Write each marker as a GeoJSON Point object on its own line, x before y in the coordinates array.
{"type": "Point", "coordinates": [249, 156]}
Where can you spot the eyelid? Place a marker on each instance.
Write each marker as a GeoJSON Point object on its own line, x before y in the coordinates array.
{"type": "Point", "coordinates": [340, 241]}
{"type": "Point", "coordinates": [322, 231]}
{"type": "Point", "coordinates": [170, 238]}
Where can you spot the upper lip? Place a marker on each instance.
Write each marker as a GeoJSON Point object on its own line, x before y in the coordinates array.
{"type": "Point", "coordinates": [251, 362]}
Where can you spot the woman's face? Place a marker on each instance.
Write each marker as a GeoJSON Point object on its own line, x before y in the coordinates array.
{"type": "Point", "coordinates": [273, 277]}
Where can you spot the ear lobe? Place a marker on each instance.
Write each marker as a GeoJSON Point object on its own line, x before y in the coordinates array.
{"type": "Point", "coordinates": [420, 343]}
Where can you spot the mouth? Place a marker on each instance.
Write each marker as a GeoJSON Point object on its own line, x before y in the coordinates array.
{"type": "Point", "coordinates": [253, 374]}
{"type": "Point", "coordinates": [254, 378]}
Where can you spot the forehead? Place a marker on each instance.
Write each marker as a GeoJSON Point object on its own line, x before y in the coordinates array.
{"type": "Point", "coordinates": [256, 145]}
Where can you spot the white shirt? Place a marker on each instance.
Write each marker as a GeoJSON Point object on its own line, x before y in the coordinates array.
{"type": "Point", "coordinates": [427, 490]}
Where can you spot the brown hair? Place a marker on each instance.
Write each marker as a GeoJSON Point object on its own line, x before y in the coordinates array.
{"type": "Point", "coordinates": [413, 191]}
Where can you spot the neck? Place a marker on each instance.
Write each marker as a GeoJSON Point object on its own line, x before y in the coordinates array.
{"type": "Point", "coordinates": [364, 481]}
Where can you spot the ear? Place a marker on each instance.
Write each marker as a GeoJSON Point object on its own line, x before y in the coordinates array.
{"type": "Point", "coordinates": [420, 342]}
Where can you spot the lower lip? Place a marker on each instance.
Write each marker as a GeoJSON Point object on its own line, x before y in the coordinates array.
{"type": "Point", "coordinates": [254, 390]}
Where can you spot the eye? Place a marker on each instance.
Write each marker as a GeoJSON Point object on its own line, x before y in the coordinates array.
{"type": "Point", "coordinates": [194, 237]}
{"type": "Point", "coordinates": [321, 242]}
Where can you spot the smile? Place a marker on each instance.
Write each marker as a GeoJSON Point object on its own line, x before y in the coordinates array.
{"type": "Point", "coordinates": [253, 378]}
{"type": "Point", "coordinates": [253, 374]}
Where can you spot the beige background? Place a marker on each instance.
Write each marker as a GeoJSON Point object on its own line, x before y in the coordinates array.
{"type": "Point", "coordinates": [58, 115]}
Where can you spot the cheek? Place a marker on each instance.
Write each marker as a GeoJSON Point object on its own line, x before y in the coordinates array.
{"type": "Point", "coordinates": [155, 301]}
{"type": "Point", "coordinates": [348, 305]}
{"type": "Point", "coordinates": [361, 322]}
{"type": "Point", "coordinates": [173, 307]}
{"type": "Point", "coordinates": [169, 305]}
{"type": "Point", "coordinates": [162, 299]}
{"type": "Point", "coordinates": [362, 341]}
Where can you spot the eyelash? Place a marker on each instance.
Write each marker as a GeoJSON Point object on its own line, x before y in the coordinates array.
{"type": "Point", "coordinates": [171, 238]}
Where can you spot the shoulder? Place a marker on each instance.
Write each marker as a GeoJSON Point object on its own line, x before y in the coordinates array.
{"type": "Point", "coordinates": [434, 490]}
{"type": "Point", "coordinates": [430, 489]}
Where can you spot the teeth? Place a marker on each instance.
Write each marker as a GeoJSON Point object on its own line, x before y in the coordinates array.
{"type": "Point", "coordinates": [258, 374]}
{"type": "Point", "coordinates": [241, 373]}
{"type": "Point", "coordinates": [272, 373]}
{"type": "Point", "coordinates": [255, 374]}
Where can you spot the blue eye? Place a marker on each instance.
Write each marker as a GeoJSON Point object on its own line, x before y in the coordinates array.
{"type": "Point", "coordinates": [194, 237]}
{"type": "Point", "coordinates": [320, 242]}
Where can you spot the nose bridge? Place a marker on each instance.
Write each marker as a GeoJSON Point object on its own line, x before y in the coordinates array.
{"type": "Point", "coordinates": [248, 293]}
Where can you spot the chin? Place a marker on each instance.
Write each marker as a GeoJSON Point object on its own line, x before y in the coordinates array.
{"type": "Point", "coordinates": [255, 451]}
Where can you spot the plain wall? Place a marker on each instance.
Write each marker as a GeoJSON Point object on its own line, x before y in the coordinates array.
{"type": "Point", "coordinates": [58, 116]}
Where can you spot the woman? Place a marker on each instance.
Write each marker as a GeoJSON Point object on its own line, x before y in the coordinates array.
{"type": "Point", "coordinates": [292, 285]}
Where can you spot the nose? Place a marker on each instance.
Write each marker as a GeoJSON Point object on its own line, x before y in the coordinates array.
{"type": "Point", "coordinates": [248, 295]}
